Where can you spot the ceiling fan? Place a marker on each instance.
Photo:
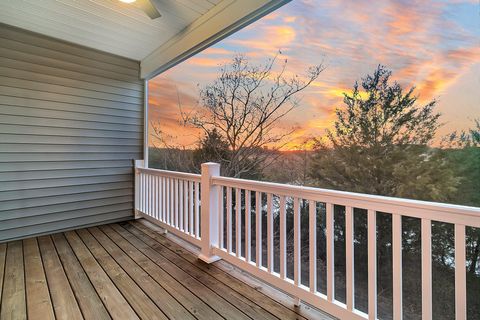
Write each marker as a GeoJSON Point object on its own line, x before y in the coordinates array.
{"type": "Point", "coordinates": [146, 6]}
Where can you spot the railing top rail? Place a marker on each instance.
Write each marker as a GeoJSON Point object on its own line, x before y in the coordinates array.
{"type": "Point", "coordinates": [408, 207]}
{"type": "Point", "coordinates": [171, 174]}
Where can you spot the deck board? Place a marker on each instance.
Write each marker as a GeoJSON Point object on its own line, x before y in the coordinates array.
{"type": "Point", "coordinates": [138, 300]}
{"type": "Point", "coordinates": [247, 306]}
{"type": "Point", "coordinates": [89, 302]}
{"type": "Point", "coordinates": [173, 282]}
{"type": "Point", "coordinates": [157, 292]}
{"type": "Point", "coordinates": [274, 308]}
{"type": "Point", "coordinates": [108, 291]}
{"type": "Point", "coordinates": [64, 303]}
{"type": "Point", "coordinates": [39, 305]}
{"type": "Point", "coordinates": [221, 304]}
{"type": "Point", "coordinates": [13, 301]}
{"type": "Point", "coordinates": [130, 271]}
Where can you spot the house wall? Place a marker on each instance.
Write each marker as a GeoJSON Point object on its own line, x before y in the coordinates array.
{"type": "Point", "coordinates": [71, 122]}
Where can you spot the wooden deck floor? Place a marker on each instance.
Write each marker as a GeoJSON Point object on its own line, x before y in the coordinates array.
{"type": "Point", "coordinates": [129, 271]}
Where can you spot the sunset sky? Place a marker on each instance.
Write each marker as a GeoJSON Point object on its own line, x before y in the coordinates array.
{"type": "Point", "coordinates": [434, 45]}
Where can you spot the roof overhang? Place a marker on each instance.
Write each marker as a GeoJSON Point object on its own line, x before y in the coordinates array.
{"type": "Point", "coordinates": [185, 27]}
{"type": "Point", "coordinates": [224, 19]}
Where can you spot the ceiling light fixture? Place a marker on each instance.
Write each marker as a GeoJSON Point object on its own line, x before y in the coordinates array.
{"type": "Point", "coordinates": [146, 6]}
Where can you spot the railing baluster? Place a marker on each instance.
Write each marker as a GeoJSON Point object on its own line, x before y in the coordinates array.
{"type": "Point", "coordinates": [161, 201]}
{"type": "Point", "coordinates": [258, 228]}
{"type": "Point", "coordinates": [197, 210]}
{"type": "Point", "coordinates": [140, 194]}
{"type": "Point", "coordinates": [144, 189]}
{"type": "Point", "coordinates": [312, 223]}
{"type": "Point", "coordinates": [397, 266]}
{"type": "Point", "coordinates": [150, 195]}
{"type": "Point", "coordinates": [137, 190]}
{"type": "Point", "coordinates": [330, 252]}
{"type": "Point", "coordinates": [296, 242]}
{"type": "Point", "coordinates": [164, 199]}
{"type": "Point", "coordinates": [159, 195]}
{"type": "Point", "coordinates": [248, 226]}
{"type": "Point", "coordinates": [180, 204]}
{"type": "Point", "coordinates": [147, 194]}
{"type": "Point", "coordinates": [283, 238]}
{"type": "Point", "coordinates": [372, 264]}
{"type": "Point", "coordinates": [229, 219]}
{"type": "Point", "coordinates": [177, 204]}
{"type": "Point", "coordinates": [154, 196]}
{"type": "Point", "coordinates": [220, 220]}
{"type": "Point", "coordinates": [190, 204]}
{"type": "Point", "coordinates": [426, 269]}
{"type": "Point", "coordinates": [164, 192]}
{"type": "Point", "coordinates": [168, 196]}
{"type": "Point", "coordinates": [185, 206]}
{"type": "Point", "coordinates": [460, 274]}
{"type": "Point", "coordinates": [147, 190]}
{"type": "Point", "coordinates": [269, 232]}
{"type": "Point", "coordinates": [238, 218]}
{"type": "Point", "coordinates": [349, 255]}
{"type": "Point", "coordinates": [157, 198]}
{"type": "Point", "coordinates": [171, 212]}
{"type": "Point", "coordinates": [172, 203]}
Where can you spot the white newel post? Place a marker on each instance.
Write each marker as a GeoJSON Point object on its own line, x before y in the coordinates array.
{"type": "Point", "coordinates": [138, 188]}
{"type": "Point", "coordinates": [209, 212]}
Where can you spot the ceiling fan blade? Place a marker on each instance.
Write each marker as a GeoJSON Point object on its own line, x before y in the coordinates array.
{"type": "Point", "coordinates": [149, 8]}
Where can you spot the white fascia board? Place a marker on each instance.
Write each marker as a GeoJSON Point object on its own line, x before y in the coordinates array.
{"type": "Point", "coordinates": [225, 18]}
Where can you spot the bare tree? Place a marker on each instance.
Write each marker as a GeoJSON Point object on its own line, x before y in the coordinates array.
{"type": "Point", "coordinates": [166, 154]}
{"type": "Point", "coordinates": [244, 104]}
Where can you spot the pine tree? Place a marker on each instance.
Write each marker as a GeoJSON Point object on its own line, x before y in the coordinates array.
{"type": "Point", "coordinates": [380, 144]}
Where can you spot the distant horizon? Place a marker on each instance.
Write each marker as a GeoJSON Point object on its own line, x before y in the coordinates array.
{"type": "Point", "coordinates": [434, 46]}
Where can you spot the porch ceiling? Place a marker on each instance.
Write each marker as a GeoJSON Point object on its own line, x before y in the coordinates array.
{"type": "Point", "coordinates": [184, 28]}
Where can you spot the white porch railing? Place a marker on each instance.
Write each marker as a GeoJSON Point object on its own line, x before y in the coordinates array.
{"type": "Point", "coordinates": [192, 207]}
{"type": "Point", "coordinates": [171, 198]}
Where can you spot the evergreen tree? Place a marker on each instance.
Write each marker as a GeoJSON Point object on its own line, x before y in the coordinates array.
{"type": "Point", "coordinates": [379, 144]}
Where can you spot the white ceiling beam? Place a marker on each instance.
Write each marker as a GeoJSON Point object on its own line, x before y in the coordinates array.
{"type": "Point", "coordinates": [225, 18]}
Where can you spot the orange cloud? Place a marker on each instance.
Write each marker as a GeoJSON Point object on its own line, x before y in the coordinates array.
{"type": "Point", "coordinates": [166, 99]}
{"type": "Point", "coordinates": [434, 83]}
{"type": "Point", "coordinates": [403, 19]}
{"type": "Point", "coordinates": [205, 62]}
{"type": "Point", "coordinates": [216, 51]}
{"type": "Point", "coordinates": [340, 93]}
{"type": "Point", "coordinates": [273, 38]}
{"type": "Point", "coordinates": [432, 77]}
{"type": "Point", "coordinates": [290, 19]}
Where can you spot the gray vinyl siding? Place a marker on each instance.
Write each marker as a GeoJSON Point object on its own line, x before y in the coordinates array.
{"type": "Point", "coordinates": [71, 124]}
